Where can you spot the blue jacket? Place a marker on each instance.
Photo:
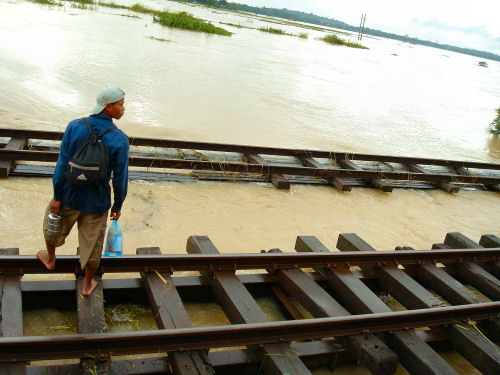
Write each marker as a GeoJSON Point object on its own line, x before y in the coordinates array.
{"type": "Point", "coordinates": [93, 199]}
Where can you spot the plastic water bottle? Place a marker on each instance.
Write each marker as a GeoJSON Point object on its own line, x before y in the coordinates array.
{"type": "Point", "coordinates": [114, 240]}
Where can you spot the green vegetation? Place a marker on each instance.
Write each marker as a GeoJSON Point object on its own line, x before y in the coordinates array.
{"type": "Point", "coordinates": [483, 64]}
{"type": "Point", "coordinates": [111, 5]}
{"type": "Point", "coordinates": [181, 20]}
{"type": "Point", "coordinates": [186, 21]}
{"type": "Point", "coordinates": [303, 35]}
{"type": "Point", "coordinates": [47, 2]}
{"type": "Point", "coordinates": [272, 30]}
{"type": "Point", "coordinates": [495, 124]}
{"type": "Point", "coordinates": [125, 313]}
{"type": "Point", "coordinates": [159, 39]}
{"type": "Point", "coordinates": [334, 39]}
{"type": "Point", "coordinates": [141, 9]}
{"type": "Point", "coordinates": [234, 25]}
{"type": "Point", "coordinates": [331, 22]}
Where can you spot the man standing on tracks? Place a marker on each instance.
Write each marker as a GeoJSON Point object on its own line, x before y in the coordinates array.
{"type": "Point", "coordinates": [89, 205]}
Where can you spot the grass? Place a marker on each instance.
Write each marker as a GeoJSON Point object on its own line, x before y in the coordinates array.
{"type": "Point", "coordinates": [138, 8]}
{"type": "Point", "coordinates": [303, 35]}
{"type": "Point", "coordinates": [183, 20]}
{"type": "Point", "coordinates": [158, 39]}
{"type": "Point", "coordinates": [111, 5]}
{"type": "Point", "coordinates": [495, 124]}
{"type": "Point", "coordinates": [234, 25]}
{"type": "Point", "coordinates": [334, 39]}
{"type": "Point", "coordinates": [272, 30]}
{"type": "Point", "coordinates": [47, 2]}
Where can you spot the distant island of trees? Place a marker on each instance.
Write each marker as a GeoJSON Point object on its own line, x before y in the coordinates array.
{"type": "Point", "coordinates": [330, 22]}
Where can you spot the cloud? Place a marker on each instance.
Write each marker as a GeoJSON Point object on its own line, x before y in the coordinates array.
{"type": "Point", "coordinates": [435, 24]}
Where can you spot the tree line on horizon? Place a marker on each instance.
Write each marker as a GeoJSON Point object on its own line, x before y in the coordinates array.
{"type": "Point", "coordinates": [331, 22]}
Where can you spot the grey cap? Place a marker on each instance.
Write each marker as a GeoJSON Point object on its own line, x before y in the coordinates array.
{"type": "Point", "coordinates": [107, 95]}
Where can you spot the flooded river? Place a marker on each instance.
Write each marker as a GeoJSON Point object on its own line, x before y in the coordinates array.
{"type": "Point", "coordinates": [251, 88]}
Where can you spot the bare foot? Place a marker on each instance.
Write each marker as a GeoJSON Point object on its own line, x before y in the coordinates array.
{"type": "Point", "coordinates": [43, 255]}
{"type": "Point", "coordinates": [88, 289]}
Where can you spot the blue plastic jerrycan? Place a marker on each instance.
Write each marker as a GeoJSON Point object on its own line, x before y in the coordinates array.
{"type": "Point", "coordinates": [114, 240]}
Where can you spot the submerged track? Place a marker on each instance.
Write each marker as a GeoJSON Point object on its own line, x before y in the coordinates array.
{"type": "Point", "coordinates": [340, 169]}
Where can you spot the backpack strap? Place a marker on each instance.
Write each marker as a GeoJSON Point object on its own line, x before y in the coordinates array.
{"type": "Point", "coordinates": [101, 134]}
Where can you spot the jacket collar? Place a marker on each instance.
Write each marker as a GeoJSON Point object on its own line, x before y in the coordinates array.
{"type": "Point", "coordinates": [103, 117]}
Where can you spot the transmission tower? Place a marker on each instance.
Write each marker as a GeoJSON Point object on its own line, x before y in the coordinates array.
{"type": "Point", "coordinates": [362, 26]}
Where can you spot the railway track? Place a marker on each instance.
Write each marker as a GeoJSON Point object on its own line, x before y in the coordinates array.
{"type": "Point", "coordinates": [452, 291]}
{"type": "Point", "coordinates": [280, 166]}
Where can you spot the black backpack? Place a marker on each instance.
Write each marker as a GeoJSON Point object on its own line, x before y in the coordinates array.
{"type": "Point", "coordinates": [89, 165]}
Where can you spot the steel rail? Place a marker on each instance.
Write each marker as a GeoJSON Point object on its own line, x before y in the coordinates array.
{"type": "Point", "coordinates": [50, 156]}
{"type": "Point", "coordinates": [243, 149]}
{"type": "Point", "coordinates": [19, 264]}
{"type": "Point", "coordinates": [74, 346]}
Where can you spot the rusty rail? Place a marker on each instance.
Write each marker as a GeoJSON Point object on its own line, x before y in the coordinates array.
{"type": "Point", "coordinates": [76, 346]}
{"type": "Point", "coordinates": [243, 149]}
{"type": "Point", "coordinates": [51, 156]}
{"type": "Point", "coordinates": [13, 264]}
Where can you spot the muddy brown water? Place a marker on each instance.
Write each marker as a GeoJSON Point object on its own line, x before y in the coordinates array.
{"type": "Point", "coordinates": [251, 88]}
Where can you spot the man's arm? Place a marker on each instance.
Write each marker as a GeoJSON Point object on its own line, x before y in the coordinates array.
{"type": "Point", "coordinates": [59, 178]}
{"type": "Point", "coordinates": [120, 180]}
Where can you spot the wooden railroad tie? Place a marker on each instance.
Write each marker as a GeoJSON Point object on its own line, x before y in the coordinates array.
{"type": "Point", "coordinates": [338, 182]}
{"type": "Point", "coordinates": [280, 173]}
{"type": "Point", "coordinates": [467, 341]}
{"type": "Point", "coordinates": [443, 185]}
{"type": "Point", "coordinates": [347, 164]}
{"type": "Point", "coordinates": [374, 335]}
{"type": "Point", "coordinates": [278, 180]}
{"type": "Point", "coordinates": [240, 307]}
{"type": "Point", "coordinates": [11, 313]}
{"type": "Point", "coordinates": [7, 165]}
{"type": "Point", "coordinates": [169, 313]}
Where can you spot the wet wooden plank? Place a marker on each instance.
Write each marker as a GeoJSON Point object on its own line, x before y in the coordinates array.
{"type": "Point", "coordinates": [490, 240]}
{"type": "Point", "coordinates": [169, 313]}
{"type": "Point", "coordinates": [465, 172]}
{"type": "Point", "coordinates": [91, 319]}
{"type": "Point", "coordinates": [458, 240]}
{"type": "Point", "coordinates": [443, 185]}
{"type": "Point", "coordinates": [414, 354]}
{"type": "Point", "coordinates": [287, 303]}
{"type": "Point", "coordinates": [437, 279]}
{"type": "Point", "coordinates": [240, 361]}
{"type": "Point", "coordinates": [455, 240]}
{"type": "Point", "coordinates": [374, 181]}
{"type": "Point", "coordinates": [315, 353]}
{"type": "Point", "coordinates": [337, 182]}
{"type": "Point", "coordinates": [240, 307]}
{"type": "Point", "coordinates": [7, 165]}
{"type": "Point", "coordinates": [11, 313]}
{"type": "Point", "coordinates": [473, 273]}
{"type": "Point", "coordinates": [465, 338]}
{"type": "Point", "coordinates": [368, 349]}
{"type": "Point", "coordinates": [278, 180]}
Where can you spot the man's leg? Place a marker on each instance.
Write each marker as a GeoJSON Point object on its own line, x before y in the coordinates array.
{"type": "Point", "coordinates": [89, 284]}
{"type": "Point", "coordinates": [48, 257]}
{"type": "Point", "coordinates": [91, 230]}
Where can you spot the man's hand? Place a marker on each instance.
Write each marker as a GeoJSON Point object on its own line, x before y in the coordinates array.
{"type": "Point", "coordinates": [115, 215]}
{"type": "Point", "coordinates": [55, 206]}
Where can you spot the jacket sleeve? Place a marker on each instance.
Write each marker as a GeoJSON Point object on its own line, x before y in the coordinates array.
{"type": "Point", "coordinates": [59, 178]}
{"type": "Point", "coordinates": [120, 176]}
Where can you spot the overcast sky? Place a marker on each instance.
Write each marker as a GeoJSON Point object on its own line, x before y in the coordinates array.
{"type": "Point", "coordinates": [465, 23]}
